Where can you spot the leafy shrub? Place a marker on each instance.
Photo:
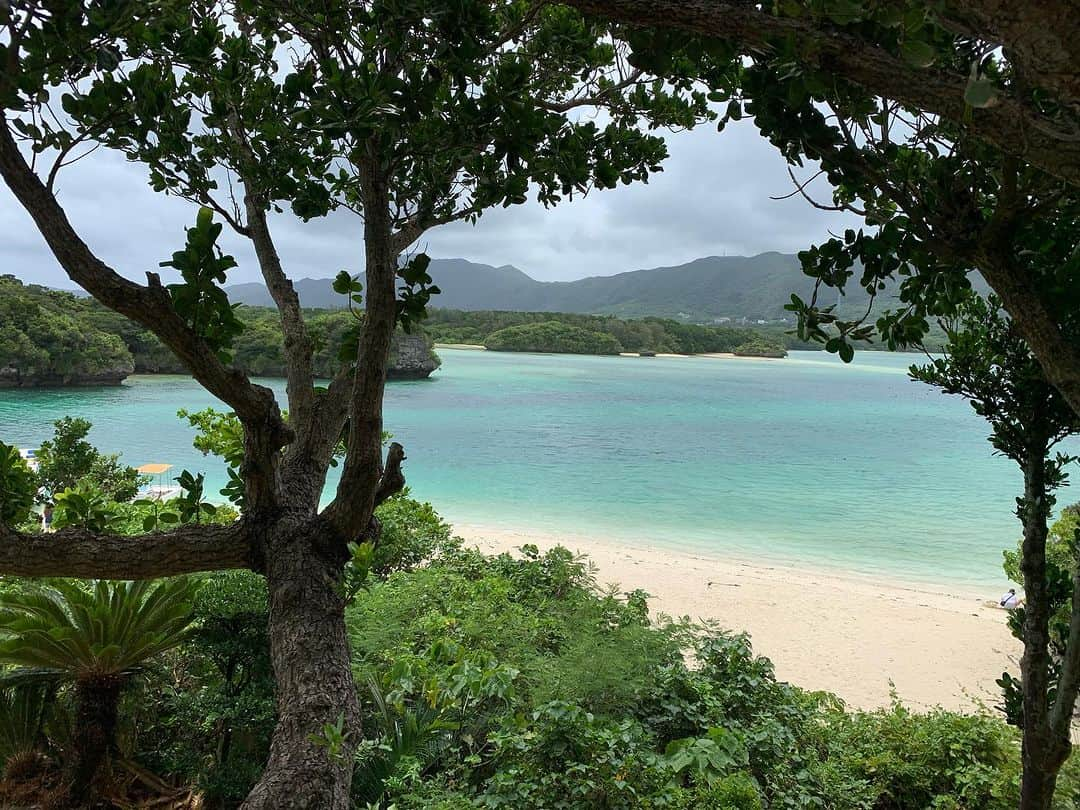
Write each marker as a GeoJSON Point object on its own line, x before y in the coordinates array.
{"type": "Point", "coordinates": [85, 507]}
{"type": "Point", "coordinates": [565, 757]}
{"type": "Point", "coordinates": [552, 336]}
{"type": "Point", "coordinates": [411, 533]}
{"type": "Point", "coordinates": [18, 485]}
{"type": "Point", "coordinates": [209, 723]}
{"type": "Point", "coordinates": [68, 460]}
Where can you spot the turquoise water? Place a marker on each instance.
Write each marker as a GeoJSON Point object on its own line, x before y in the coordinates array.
{"type": "Point", "coordinates": [802, 460]}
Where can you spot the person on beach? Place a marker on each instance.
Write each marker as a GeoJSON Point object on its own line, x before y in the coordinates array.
{"type": "Point", "coordinates": [1010, 601]}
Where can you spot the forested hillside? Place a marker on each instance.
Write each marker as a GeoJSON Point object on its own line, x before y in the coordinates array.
{"type": "Point", "coordinates": [46, 338]}
{"type": "Point", "coordinates": [54, 337]}
{"type": "Point", "coordinates": [589, 334]}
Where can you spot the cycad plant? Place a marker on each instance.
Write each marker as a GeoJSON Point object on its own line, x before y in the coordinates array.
{"type": "Point", "coordinates": [22, 713]}
{"type": "Point", "coordinates": [93, 636]}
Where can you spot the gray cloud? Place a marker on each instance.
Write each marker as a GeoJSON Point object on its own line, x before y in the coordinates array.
{"type": "Point", "coordinates": [713, 198]}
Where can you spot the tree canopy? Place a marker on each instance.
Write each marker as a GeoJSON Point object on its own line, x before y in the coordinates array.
{"type": "Point", "coordinates": [411, 113]}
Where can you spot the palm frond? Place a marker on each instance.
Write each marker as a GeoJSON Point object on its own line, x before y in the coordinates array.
{"type": "Point", "coordinates": [72, 628]}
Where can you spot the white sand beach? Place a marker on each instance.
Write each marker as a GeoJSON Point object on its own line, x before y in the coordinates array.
{"type": "Point", "coordinates": [856, 636]}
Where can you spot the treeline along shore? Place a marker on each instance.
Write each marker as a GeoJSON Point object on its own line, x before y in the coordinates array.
{"type": "Point", "coordinates": [54, 337]}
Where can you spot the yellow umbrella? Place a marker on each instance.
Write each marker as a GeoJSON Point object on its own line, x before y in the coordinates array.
{"type": "Point", "coordinates": [154, 469]}
{"type": "Point", "coordinates": [158, 470]}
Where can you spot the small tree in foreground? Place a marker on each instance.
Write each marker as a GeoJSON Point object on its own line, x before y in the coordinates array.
{"type": "Point", "coordinates": [409, 113]}
{"type": "Point", "coordinates": [67, 459]}
{"type": "Point", "coordinates": [94, 639]}
{"type": "Point", "coordinates": [990, 365]}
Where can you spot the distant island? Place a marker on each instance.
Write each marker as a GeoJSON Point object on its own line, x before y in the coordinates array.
{"type": "Point", "coordinates": [52, 338]}
{"type": "Point", "coordinates": [571, 333]}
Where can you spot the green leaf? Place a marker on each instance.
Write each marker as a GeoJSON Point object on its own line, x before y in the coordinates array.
{"type": "Point", "coordinates": [918, 53]}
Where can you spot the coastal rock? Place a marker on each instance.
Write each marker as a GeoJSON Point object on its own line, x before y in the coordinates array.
{"type": "Point", "coordinates": [11, 377]}
{"type": "Point", "coordinates": [411, 358]}
{"type": "Point", "coordinates": [775, 354]}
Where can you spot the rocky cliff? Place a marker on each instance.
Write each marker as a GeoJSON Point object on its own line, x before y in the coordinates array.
{"type": "Point", "coordinates": [411, 358]}
{"type": "Point", "coordinates": [11, 377]}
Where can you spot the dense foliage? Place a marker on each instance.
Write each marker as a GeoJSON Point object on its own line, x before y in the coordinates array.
{"type": "Point", "coordinates": [18, 487]}
{"type": "Point", "coordinates": [506, 682]}
{"type": "Point", "coordinates": [96, 339]}
{"type": "Point", "coordinates": [530, 688]}
{"type": "Point", "coordinates": [551, 336]}
{"type": "Point", "coordinates": [45, 337]}
{"type": "Point", "coordinates": [636, 335]}
{"type": "Point", "coordinates": [67, 460]}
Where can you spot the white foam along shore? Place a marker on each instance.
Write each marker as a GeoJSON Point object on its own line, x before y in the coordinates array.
{"type": "Point", "coordinates": [475, 347]}
{"type": "Point", "coordinates": [860, 637]}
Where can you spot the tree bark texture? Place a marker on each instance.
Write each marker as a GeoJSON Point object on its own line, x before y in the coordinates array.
{"type": "Point", "coordinates": [1039, 777]}
{"type": "Point", "coordinates": [93, 734]}
{"type": "Point", "coordinates": [309, 650]}
{"type": "Point", "coordinates": [77, 553]}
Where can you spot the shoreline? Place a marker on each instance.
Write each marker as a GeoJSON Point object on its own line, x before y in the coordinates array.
{"type": "Point", "coordinates": [861, 637]}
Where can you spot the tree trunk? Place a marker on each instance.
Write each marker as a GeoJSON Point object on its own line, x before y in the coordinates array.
{"type": "Point", "coordinates": [93, 735]}
{"type": "Point", "coordinates": [1037, 786]}
{"type": "Point", "coordinates": [309, 650]}
{"type": "Point", "coordinates": [1040, 758]}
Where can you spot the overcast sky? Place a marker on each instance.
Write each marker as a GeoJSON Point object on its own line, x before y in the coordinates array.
{"type": "Point", "coordinates": [713, 198]}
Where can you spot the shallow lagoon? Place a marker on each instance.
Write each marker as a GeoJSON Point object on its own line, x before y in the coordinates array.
{"type": "Point", "coordinates": [801, 460]}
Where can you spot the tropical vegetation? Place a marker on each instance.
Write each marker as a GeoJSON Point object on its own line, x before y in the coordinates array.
{"type": "Point", "coordinates": [507, 681]}
{"type": "Point", "coordinates": [950, 127]}
{"type": "Point", "coordinates": [31, 356]}
{"type": "Point", "coordinates": [44, 338]}
{"type": "Point", "coordinates": [596, 334]}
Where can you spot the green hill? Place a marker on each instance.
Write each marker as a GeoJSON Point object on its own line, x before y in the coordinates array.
{"type": "Point", "coordinates": [46, 338]}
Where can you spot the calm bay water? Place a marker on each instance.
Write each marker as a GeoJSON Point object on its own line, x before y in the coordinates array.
{"type": "Point", "coordinates": [802, 460]}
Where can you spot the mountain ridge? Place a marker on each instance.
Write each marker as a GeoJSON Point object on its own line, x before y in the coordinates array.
{"type": "Point", "coordinates": [710, 288]}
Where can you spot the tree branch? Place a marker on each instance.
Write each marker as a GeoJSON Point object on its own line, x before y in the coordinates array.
{"type": "Point", "coordinates": [392, 480]}
{"type": "Point", "coordinates": [354, 502]}
{"type": "Point", "coordinates": [594, 100]}
{"type": "Point", "coordinates": [1058, 356]}
{"type": "Point", "coordinates": [77, 553]}
{"type": "Point", "coordinates": [1061, 713]}
{"type": "Point", "coordinates": [1043, 37]}
{"type": "Point", "coordinates": [300, 379]}
{"type": "Point", "coordinates": [149, 306]}
{"type": "Point", "coordinates": [1012, 125]}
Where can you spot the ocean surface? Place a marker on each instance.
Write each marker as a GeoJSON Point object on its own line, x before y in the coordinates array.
{"type": "Point", "coordinates": [803, 460]}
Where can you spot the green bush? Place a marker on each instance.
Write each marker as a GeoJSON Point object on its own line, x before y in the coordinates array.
{"type": "Point", "coordinates": [610, 711]}
{"type": "Point", "coordinates": [68, 460]}
{"type": "Point", "coordinates": [18, 486]}
{"type": "Point", "coordinates": [209, 723]}
{"type": "Point", "coordinates": [552, 336]}
{"type": "Point", "coordinates": [411, 533]}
